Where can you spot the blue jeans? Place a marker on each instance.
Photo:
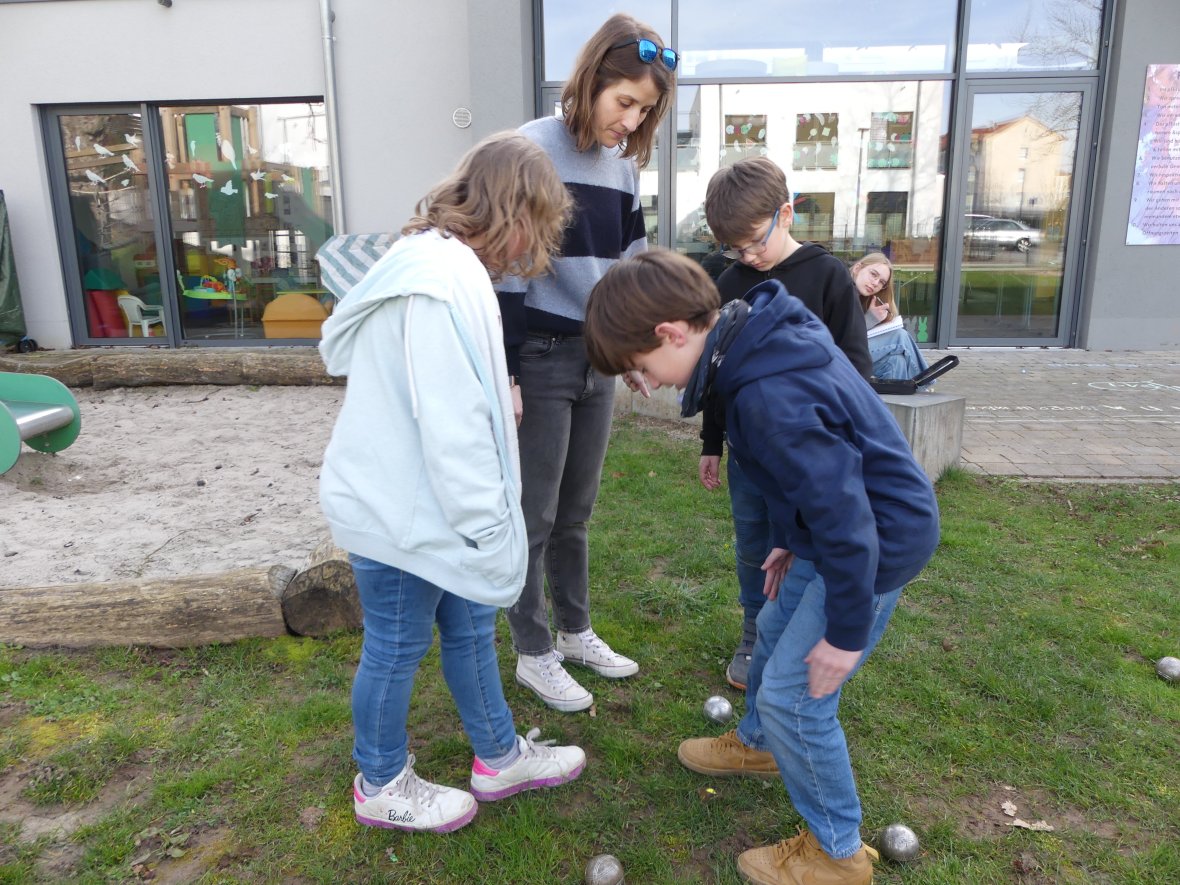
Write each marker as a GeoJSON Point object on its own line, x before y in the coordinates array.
{"type": "Point", "coordinates": [400, 611]}
{"type": "Point", "coordinates": [803, 733]}
{"type": "Point", "coordinates": [895, 356]}
{"type": "Point", "coordinates": [751, 533]}
{"type": "Point", "coordinates": [563, 437]}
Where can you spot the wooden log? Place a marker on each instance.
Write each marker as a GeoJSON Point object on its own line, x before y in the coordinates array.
{"type": "Point", "coordinates": [148, 367]}
{"type": "Point", "coordinates": [161, 612]}
{"type": "Point", "coordinates": [322, 597]}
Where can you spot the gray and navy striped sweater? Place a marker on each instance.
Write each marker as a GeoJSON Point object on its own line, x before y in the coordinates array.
{"type": "Point", "coordinates": [607, 225]}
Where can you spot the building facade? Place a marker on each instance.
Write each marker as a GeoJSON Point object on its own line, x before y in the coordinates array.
{"type": "Point", "coordinates": [171, 169]}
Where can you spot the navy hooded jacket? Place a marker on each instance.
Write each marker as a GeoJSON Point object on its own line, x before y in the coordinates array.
{"type": "Point", "coordinates": [837, 474]}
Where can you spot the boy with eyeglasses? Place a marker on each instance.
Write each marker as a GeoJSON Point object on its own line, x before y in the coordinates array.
{"type": "Point", "coordinates": [845, 496]}
{"type": "Point", "coordinates": [749, 203]}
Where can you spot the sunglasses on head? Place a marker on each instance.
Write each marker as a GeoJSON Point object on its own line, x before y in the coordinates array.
{"type": "Point", "coordinates": [649, 52]}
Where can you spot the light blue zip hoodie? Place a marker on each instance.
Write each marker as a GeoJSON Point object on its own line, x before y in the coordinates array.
{"type": "Point", "coordinates": [422, 471]}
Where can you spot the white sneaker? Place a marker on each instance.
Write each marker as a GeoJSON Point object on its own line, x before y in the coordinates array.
{"type": "Point", "coordinates": [538, 766]}
{"type": "Point", "coordinates": [587, 650]}
{"type": "Point", "coordinates": [545, 676]}
{"type": "Point", "coordinates": [409, 803]}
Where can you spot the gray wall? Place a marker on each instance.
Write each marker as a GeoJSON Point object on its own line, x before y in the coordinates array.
{"type": "Point", "coordinates": [1131, 301]}
{"type": "Point", "coordinates": [402, 69]}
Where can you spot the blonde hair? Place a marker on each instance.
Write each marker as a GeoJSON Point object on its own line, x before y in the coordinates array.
{"type": "Point", "coordinates": [886, 294]}
{"type": "Point", "coordinates": [637, 294]}
{"type": "Point", "coordinates": [504, 188]}
{"type": "Point", "coordinates": [603, 63]}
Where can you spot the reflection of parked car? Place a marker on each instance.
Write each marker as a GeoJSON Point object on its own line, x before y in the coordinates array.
{"type": "Point", "coordinates": [971, 221]}
{"type": "Point", "coordinates": [1006, 233]}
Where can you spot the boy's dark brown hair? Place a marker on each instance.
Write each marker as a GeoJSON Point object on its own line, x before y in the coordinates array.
{"type": "Point", "coordinates": [604, 62]}
{"type": "Point", "coordinates": [742, 196]}
{"type": "Point", "coordinates": [635, 296]}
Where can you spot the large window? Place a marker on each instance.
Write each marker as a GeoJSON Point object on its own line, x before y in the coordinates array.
{"type": "Point", "coordinates": [797, 38]}
{"type": "Point", "coordinates": [1021, 35]}
{"type": "Point", "coordinates": [853, 102]}
{"type": "Point", "coordinates": [842, 201]}
{"type": "Point", "coordinates": [248, 205]}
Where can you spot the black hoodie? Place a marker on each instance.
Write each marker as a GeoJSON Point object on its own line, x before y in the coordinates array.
{"type": "Point", "coordinates": [821, 281]}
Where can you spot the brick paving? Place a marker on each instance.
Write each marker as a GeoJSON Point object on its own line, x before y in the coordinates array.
{"type": "Point", "coordinates": [1069, 414]}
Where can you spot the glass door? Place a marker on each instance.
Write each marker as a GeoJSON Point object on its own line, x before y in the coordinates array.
{"type": "Point", "coordinates": [111, 226]}
{"type": "Point", "coordinates": [1014, 263]}
{"type": "Point", "coordinates": [249, 205]}
{"type": "Point", "coordinates": [192, 224]}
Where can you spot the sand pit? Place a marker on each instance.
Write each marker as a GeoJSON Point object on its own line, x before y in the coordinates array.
{"type": "Point", "coordinates": [169, 481]}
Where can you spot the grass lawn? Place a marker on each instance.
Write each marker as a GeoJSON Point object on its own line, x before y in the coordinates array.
{"type": "Point", "coordinates": [1018, 669]}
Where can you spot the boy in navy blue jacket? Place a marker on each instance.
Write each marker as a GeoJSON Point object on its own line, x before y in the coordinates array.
{"type": "Point", "coordinates": [854, 516]}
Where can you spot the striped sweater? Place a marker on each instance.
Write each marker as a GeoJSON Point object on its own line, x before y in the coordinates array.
{"type": "Point", "coordinates": [607, 225]}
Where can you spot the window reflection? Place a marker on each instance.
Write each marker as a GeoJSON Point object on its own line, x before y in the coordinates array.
{"type": "Point", "coordinates": [1011, 35]}
{"type": "Point", "coordinates": [569, 23]}
{"type": "Point", "coordinates": [1020, 162]}
{"type": "Point", "coordinates": [249, 198]}
{"type": "Point", "coordinates": [112, 220]}
{"type": "Point", "coordinates": [794, 38]}
{"type": "Point", "coordinates": [852, 194]}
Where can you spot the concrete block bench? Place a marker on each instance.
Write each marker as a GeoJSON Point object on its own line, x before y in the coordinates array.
{"type": "Point", "coordinates": [931, 422]}
{"type": "Point", "coordinates": [933, 425]}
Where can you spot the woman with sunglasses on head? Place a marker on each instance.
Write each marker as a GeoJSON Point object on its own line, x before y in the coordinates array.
{"type": "Point", "coordinates": [619, 90]}
{"type": "Point", "coordinates": [895, 353]}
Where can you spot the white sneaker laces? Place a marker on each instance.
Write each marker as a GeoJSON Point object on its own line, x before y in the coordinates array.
{"type": "Point", "coordinates": [553, 673]}
{"type": "Point", "coordinates": [536, 747]}
{"type": "Point", "coordinates": [414, 788]}
{"type": "Point", "coordinates": [594, 648]}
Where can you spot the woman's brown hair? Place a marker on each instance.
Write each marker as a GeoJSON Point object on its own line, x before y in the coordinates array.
{"type": "Point", "coordinates": [604, 62]}
{"type": "Point", "coordinates": [886, 294]}
{"type": "Point", "coordinates": [503, 187]}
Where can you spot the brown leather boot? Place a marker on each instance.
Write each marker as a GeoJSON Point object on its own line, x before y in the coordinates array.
{"type": "Point", "coordinates": [726, 756]}
{"type": "Point", "coordinates": [800, 861]}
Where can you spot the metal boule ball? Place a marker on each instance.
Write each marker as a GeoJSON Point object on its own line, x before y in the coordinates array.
{"type": "Point", "coordinates": [1168, 668]}
{"type": "Point", "coordinates": [604, 869]}
{"type": "Point", "coordinates": [718, 709]}
{"type": "Point", "coordinates": [899, 842]}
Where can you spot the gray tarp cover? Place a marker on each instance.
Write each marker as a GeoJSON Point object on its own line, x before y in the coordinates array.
{"type": "Point", "coordinates": [12, 317]}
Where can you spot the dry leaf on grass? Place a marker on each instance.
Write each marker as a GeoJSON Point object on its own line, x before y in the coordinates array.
{"type": "Point", "coordinates": [1039, 826]}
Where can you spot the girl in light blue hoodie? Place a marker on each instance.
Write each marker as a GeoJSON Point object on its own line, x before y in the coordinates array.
{"type": "Point", "coordinates": [421, 479]}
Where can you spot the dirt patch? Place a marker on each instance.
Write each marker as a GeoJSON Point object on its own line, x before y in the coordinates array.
{"type": "Point", "coordinates": [985, 817]}
{"type": "Point", "coordinates": [53, 825]}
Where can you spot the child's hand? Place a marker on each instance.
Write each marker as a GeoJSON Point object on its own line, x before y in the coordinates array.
{"type": "Point", "coordinates": [828, 668]}
{"type": "Point", "coordinates": [878, 309]}
{"type": "Point", "coordinates": [634, 379]}
{"type": "Point", "coordinates": [517, 403]}
{"type": "Point", "coordinates": [709, 471]}
{"type": "Point", "coordinates": [776, 566]}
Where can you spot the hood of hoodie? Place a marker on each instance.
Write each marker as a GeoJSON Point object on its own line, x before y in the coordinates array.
{"type": "Point", "coordinates": [780, 335]}
{"type": "Point", "coordinates": [796, 261]}
{"type": "Point", "coordinates": [426, 269]}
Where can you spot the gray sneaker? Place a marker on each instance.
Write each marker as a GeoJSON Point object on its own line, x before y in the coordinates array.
{"type": "Point", "coordinates": [739, 668]}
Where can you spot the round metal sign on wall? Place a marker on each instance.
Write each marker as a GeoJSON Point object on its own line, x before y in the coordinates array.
{"type": "Point", "coordinates": [461, 118]}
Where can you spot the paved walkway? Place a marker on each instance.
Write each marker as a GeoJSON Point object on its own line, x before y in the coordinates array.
{"type": "Point", "coordinates": [1069, 414]}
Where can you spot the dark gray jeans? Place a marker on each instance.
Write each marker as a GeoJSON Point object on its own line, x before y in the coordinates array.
{"type": "Point", "coordinates": [563, 437]}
